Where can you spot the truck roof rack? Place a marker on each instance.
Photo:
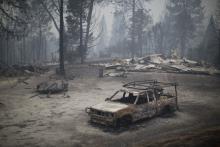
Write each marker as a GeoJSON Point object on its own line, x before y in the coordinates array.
{"type": "Point", "coordinates": [148, 85]}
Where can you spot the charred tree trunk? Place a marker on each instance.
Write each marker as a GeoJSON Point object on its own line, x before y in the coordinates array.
{"type": "Point", "coordinates": [13, 50]}
{"type": "Point", "coordinates": [45, 49]}
{"type": "Point", "coordinates": [88, 24]}
{"type": "Point", "coordinates": [61, 49]}
{"type": "Point", "coordinates": [1, 47]}
{"type": "Point", "coordinates": [140, 34]}
{"type": "Point", "coordinates": [7, 48]}
{"type": "Point", "coordinates": [183, 46]}
{"type": "Point", "coordinates": [40, 44]}
{"type": "Point", "coordinates": [24, 49]}
{"type": "Point", "coordinates": [33, 51]}
{"type": "Point", "coordinates": [133, 27]}
{"type": "Point", "coordinates": [183, 36]}
{"type": "Point", "coordinates": [81, 34]}
{"type": "Point", "coordinates": [219, 48]}
{"type": "Point", "coordinates": [21, 52]}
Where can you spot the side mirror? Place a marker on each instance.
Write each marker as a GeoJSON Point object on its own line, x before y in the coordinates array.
{"type": "Point", "coordinates": [87, 110]}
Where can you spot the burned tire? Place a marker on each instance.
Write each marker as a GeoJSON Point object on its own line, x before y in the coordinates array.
{"type": "Point", "coordinates": [125, 121]}
{"type": "Point", "coordinates": [166, 111]}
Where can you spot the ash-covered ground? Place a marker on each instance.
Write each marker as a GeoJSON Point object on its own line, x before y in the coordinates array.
{"type": "Point", "coordinates": [61, 119]}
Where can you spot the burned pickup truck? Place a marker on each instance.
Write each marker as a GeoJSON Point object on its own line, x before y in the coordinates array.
{"type": "Point", "coordinates": [136, 101]}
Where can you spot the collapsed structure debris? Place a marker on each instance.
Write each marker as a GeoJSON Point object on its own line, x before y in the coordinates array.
{"type": "Point", "coordinates": [159, 63]}
{"type": "Point", "coordinates": [117, 74]}
{"type": "Point", "coordinates": [31, 68]}
{"type": "Point", "coordinates": [51, 87]}
{"type": "Point", "coordinates": [20, 70]}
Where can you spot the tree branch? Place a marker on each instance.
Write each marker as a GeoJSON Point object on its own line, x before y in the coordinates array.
{"type": "Point", "coordinates": [6, 14]}
{"type": "Point", "coordinates": [51, 16]}
{"type": "Point", "coordinates": [56, 6]}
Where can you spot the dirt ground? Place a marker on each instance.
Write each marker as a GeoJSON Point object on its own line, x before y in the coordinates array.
{"type": "Point", "coordinates": [61, 120]}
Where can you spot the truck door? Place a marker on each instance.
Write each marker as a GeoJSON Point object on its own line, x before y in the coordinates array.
{"type": "Point", "coordinates": [141, 109]}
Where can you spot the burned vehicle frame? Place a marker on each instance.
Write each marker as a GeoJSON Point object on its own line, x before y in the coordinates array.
{"type": "Point", "coordinates": [140, 100]}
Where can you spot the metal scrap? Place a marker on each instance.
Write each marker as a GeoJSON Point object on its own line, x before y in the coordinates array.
{"type": "Point", "coordinates": [52, 87]}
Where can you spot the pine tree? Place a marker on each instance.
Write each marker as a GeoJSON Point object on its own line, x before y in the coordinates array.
{"type": "Point", "coordinates": [14, 23]}
{"type": "Point", "coordinates": [39, 26]}
{"type": "Point", "coordinates": [142, 20]}
{"type": "Point", "coordinates": [218, 15]}
{"type": "Point", "coordinates": [210, 43]}
{"type": "Point", "coordinates": [186, 17]}
{"type": "Point", "coordinates": [79, 22]}
{"type": "Point", "coordinates": [118, 34]}
{"type": "Point", "coordinates": [218, 27]}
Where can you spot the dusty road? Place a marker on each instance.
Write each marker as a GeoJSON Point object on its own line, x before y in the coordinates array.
{"type": "Point", "coordinates": [61, 120]}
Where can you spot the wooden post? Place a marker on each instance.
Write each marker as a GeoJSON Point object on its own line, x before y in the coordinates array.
{"type": "Point", "coordinates": [155, 100]}
{"type": "Point", "coordinates": [177, 107]}
{"type": "Point", "coordinates": [101, 72]}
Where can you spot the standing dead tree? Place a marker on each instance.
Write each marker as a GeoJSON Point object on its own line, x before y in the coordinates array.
{"type": "Point", "coordinates": [61, 49]}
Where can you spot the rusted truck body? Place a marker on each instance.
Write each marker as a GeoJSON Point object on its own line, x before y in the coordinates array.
{"type": "Point", "coordinates": [136, 101]}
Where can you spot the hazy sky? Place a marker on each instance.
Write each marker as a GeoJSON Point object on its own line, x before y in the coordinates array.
{"type": "Point", "coordinates": [157, 8]}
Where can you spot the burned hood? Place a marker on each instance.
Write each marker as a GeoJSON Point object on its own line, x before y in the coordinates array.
{"type": "Point", "coordinates": [109, 106]}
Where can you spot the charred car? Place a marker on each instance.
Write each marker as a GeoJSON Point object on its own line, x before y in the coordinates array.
{"type": "Point", "coordinates": [136, 101]}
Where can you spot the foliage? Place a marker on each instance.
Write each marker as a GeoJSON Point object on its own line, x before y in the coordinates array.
{"type": "Point", "coordinates": [14, 16]}
{"type": "Point", "coordinates": [186, 17]}
{"type": "Point", "coordinates": [209, 51]}
{"type": "Point", "coordinates": [78, 24]}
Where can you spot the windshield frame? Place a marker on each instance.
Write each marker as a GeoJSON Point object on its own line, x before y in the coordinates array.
{"type": "Point", "coordinates": [124, 92]}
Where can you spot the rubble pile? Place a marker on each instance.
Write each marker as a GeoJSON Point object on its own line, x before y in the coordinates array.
{"type": "Point", "coordinates": [159, 63]}
{"type": "Point", "coordinates": [50, 87]}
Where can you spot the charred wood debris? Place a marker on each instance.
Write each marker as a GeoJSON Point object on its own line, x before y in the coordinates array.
{"type": "Point", "coordinates": [24, 72]}
{"type": "Point", "coordinates": [112, 68]}
{"type": "Point", "coordinates": [20, 70]}
{"type": "Point", "coordinates": [51, 87]}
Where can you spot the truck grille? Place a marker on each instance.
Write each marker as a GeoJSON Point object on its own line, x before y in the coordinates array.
{"type": "Point", "coordinates": [101, 113]}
